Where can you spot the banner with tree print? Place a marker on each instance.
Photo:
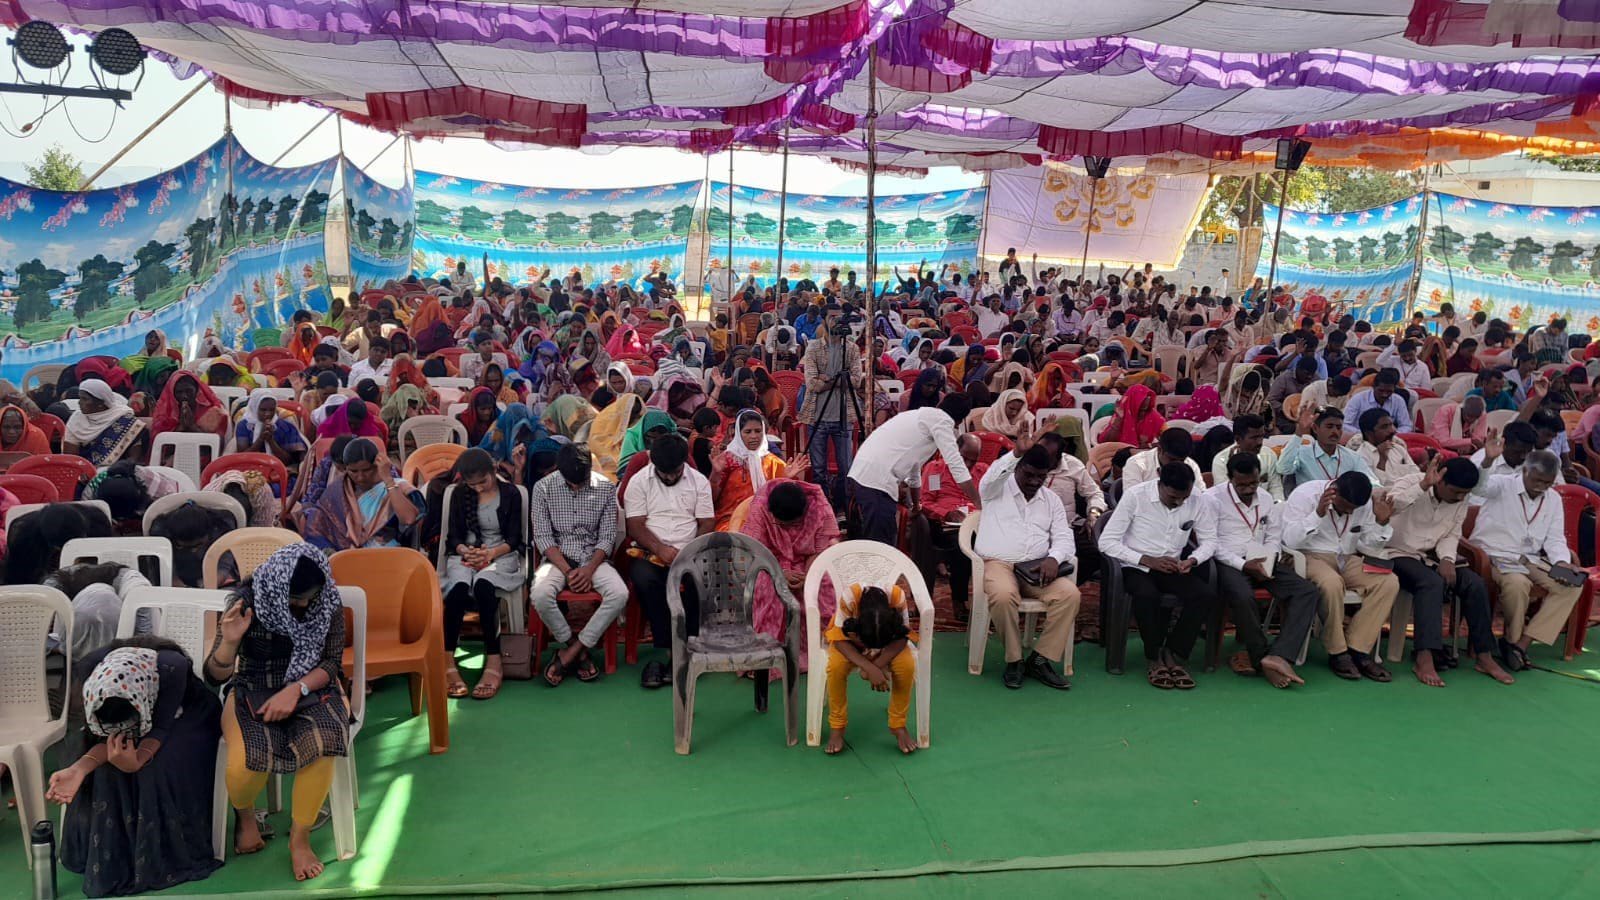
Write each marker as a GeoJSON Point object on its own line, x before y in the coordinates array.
{"type": "Point", "coordinates": [822, 232]}
{"type": "Point", "coordinates": [91, 272]}
{"type": "Point", "coordinates": [1362, 261]}
{"type": "Point", "coordinates": [1524, 264]}
{"type": "Point", "coordinates": [380, 220]}
{"type": "Point", "coordinates": [621, 234]}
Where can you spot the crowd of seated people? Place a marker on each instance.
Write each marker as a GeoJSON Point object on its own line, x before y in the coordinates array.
{"type": "Point", "coordinates": [1211, 446]}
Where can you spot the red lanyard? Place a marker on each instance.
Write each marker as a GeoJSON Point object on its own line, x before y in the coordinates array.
{"type": "Point", "coordinates": [1330, 475]}
{"type": "Point", "coordinates": [1249, 523]}
{"type": "Point", "coordinates": [1343, 527]}
{"type": "Point", "coordinates": [1527, 519]}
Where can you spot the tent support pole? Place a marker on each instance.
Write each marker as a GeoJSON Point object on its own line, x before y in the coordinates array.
{"type": "Point", "coordinates": [301, 139]}
{"type": "Point", "coordinates": [870, 332]}
{"type": "Point", "coordinates": [89, 182]}
{"type": "Point", "coordinates": [1422, 239]}
{"type": "Point", "coordinates": [731, 285]}
{"type": "Point", "coordinates": [783, 204]}
{"type": "Point", "coordinates": [1277, 233]}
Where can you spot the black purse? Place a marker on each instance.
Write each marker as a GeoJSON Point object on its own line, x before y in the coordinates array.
{"type": "Point", "coordinates": [1031, 572]}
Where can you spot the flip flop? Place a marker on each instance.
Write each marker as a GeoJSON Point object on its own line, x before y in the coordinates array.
{"type": "Point", "coordinates": [1181, 679]}
{"type": "Point", "coordinates": [587, 670]}
{"type": "Point", "coordinates": [555, 672]}
{"type": "Point", "coordinates": [1160, 677]}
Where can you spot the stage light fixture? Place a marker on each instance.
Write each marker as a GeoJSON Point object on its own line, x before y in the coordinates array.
{"type": "Point", "coordinates": [1291, 153]}
{"type": "Point", "coordinates": [117, 51]}
{"type": "Point", "coordinates": [40, 45]}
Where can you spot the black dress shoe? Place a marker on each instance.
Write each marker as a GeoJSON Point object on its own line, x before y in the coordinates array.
{"type": "Point", "coordinates": [651, 677]}
{"type": "Point", "coordinates": [1040, 670]}
{"type": "Point", "coordinates": [1012, 676]}
{"type": "Point", "coordinates": [1369, 667]}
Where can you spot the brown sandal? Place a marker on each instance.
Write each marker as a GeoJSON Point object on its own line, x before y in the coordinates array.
{"type": "Point", "coordinates": [1181, 679]}
{"type": "Point", "coordinates": [456, 688]}
{"type": "Point", "coordinates": [1160, 677]}
{"type": "Point", "coordinates": [486, 688]}
{"type": "Point", "coordinates": [555, 672]}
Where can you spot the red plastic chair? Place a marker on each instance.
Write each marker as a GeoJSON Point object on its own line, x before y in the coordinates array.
{"type": "Point", "coordinates": [302, 417]}
{"type": "Point", "coordinates": [1575, 499]}
{"type": "Point", "coordinates": [789, 384]}
{"type": "Point", "coordinates": [282, 368]}
{"type": "Point", "coordinates": [327, 331]}
{"type": "Point", "coordinates": [30, 488]}
{"type": "Point", "coordinates": [967, 333]}
{"type": "Point", "coordinates": [258, 360]}
{"type": "Point", "coordinates": [54, 429]}
{"type": "Point", "coordinates": [1418, 446]}
{"type": "Point", "coordinates": [541, 634]}
{"type": "Point", "coordinates": [64, 470]}
{"type": "Point", "coordinates": [993, 446]}
{"type": "Point", "coordinates": [265, 463]}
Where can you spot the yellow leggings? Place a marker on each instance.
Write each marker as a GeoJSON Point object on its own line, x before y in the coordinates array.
{"type": "Point", "coordinates": [311, 783]}
{"type": "Point", "coordinates": [902, 674]}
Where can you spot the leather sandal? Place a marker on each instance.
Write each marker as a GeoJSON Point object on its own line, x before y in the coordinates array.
{"type": "Point", "coordinates": [1160, 677]}
{"type": "Point", "coordinates": [457, 689]}
{"type": "Point", "coordinates": [486, 688]}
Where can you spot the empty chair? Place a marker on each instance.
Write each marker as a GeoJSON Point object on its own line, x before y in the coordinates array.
{"type": "Point", "coordinates": [26, 727]}
{"type": "Point", "coordinates": [188, 452]}
{"type": "Point", "coordinates": [211, 499]}
{"type": "Point", "coordinates": [128, 551]}
{"type": "Point", "coordinates": [869, 564]}
{"type": "Point", "coordinates": [426, 431]}
{"type": "Point", "coordinates": [66, 471]}
{"type": "Point", "coordinates": [41, 375]}
{"type": "Point", "coordinates": [723, 568]}
{"type": "Point", "coordinates": [30, 488]}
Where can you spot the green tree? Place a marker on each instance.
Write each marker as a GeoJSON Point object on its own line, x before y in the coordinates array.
{"type": "Point", "coordinates": [230, 209]}
{"type": "Point", "coordinates": [35, 281]}
{"type": "Point", "coordinates": [800, 229]}
{"type": "Point", "coordinates": [1568, 163]}
{"type": "Point", "coordinates": [241, 227]}
{"type": "Point", "coordinates": [516, 224]}
{"type": "Point", "coordinates": [199, 236]}
{"type": "Point", "coordinates": [94, 283]}
{"type": "Point", "coordinates": [1392, 247]}
{"type": "Point", "coordinates": [560, 225]}
{"type": "Point", "coordinates": [839, 230]}
{"type": "Point", "coordinates": [717, 222]}
{"type": "Point", "coordinates": [644, 222]}
{"type": "Point", "coordinates": [919, 228]}
{"type": "Point", "coordinates": [1369, 249]}
{"type": "Point", "coordinates": [431, 215]}
{"type": "Point", "coordinates": [1341, 250]}
{"type": "Point", "coordinates": [387, 231]}
{"type": "Point", "coordinates": [57, 170]}
{"type": "Point", "coordinates": [682, 217]}
{"type": "Point", "coordinates": [284, 220]}
{"type": "Point", "coordinates": [884, 229]}
{"type": "Point", "coordinates": [363, 226]}
{"type": "Point", "coordinates": [259, 223]}
{"type": "Point", "coordinates": [755, 224]}
{"type": "Point", "coordinates": [1316, 248]}
{"type": "Point", "coordinates": [1523, 253]}
{"type": "Point", "coordinates": [1445, 242]}
{"type": "Point", "coordinates": [151, 273]}
{"type": "Point", "coordinates": [1238, 200]}
{"type": "Point", "coordinates": [406, 233]}
{"type": "Point", "coordinates": [1561, 257]}
{"type": "Point", "coordinates": [313, 209]}
{"type": "Point", "coordinates": [961, 226]}
{"type": "Point", "coordinates": [1289, 245]}
{"type": "Point", "coordinates": [474, 220]}
{"type": "Point", "coordinates": [603, 225]}
{"type": "Point", "coordinates": [1484, 246]}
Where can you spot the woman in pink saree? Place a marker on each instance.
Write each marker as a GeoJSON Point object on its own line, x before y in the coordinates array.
{"type": "Point", "coordinates": [793, 520]}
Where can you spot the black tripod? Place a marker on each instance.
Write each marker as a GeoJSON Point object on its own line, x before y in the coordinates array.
{"type": "Point", "coordinates": [841, 382]}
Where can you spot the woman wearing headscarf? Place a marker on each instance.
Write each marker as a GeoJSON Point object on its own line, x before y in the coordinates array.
{"type": "Point", "coordinates": [609, 430]}
{"type": "Point", "coordinates": [1247, 392]}
{"type": "Point", "coordinates": [152, 378]}
{"type": "Point", "coordinates": [353, 417]}
{"type": "Point", "coordinates": [494, 380]}
{"type": "Point", "coordinates": [189, 407]}
{"type": "Point", "coordinates": [155, 346]}
{"type": "Point", "coordinates": [627, 343]}
{"type": "Point", "coordinates": [103, 429]}
{"type": "Point", "coordinates": [681, 364]}
{"type": "Point", "coordinates": [252, 491]}
{"type": "Point", "coordinates": [263, 430]}
{"type": "Point", "coordinates": [480, 414]}
{"type": "Point", "coordinates": [793, 520]}
{"type": "Point", "coordinates": [744, 467]}
{"type": "Point", "coordinates": [566, 415]}
{"type": "Point", "coordinates": [1014, 375]}
{"type": "Point", "coordinates": [637, 440]}
{"type": "Point", "coordinates": [1203, 405]}
{"type": "Point", "coordinates": [619, 378]}
{"type": "Point", "coordinates": [1008, 415]}
{"type": "Point", "coordinates": [139, 798]}
{"type": "Point", "coordinates": [430, 331]}
{"type": "Point", "coordinates": [366, 505]}
{"type": "Point", "coordinates": [1046, 393]}
{"type": "Point", "coordinates": [303, 341]}
{"type": "Point", "coordinates": [516, 427]}
{"type": "Point", "coordinates": [406, 371]}
{"type": "Point", "coordinates": [279, 652]}
{"type": "Point", "coordinates": [591, 348]}
{"type": "Point", "coordinates": [18, 435]}
{"type": "Point", "coordinates": [1135, 420]}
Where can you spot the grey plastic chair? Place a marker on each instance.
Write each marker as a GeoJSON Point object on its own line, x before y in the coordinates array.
{"type": "Point", "coordinates": [724, 568]}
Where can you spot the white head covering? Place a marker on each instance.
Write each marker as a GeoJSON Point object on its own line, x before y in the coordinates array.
{"type": "Point", "coordinates": [752, 459]}
{"type": "Point", "coordinates": [83, 426]}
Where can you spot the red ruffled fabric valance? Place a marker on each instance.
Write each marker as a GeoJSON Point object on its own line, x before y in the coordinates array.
{"type": "Point", "coordinates": [1070, 142]}
{"type": "Point", "coordinates": [920, 80]}
{"type": "Point", "coordinates": [394, 110]}
{"type": "Point", "coordinates": [820, 118]}
{"type": "Point", "coordinates": [961, 45]}
{"type": "Point", "coordinates": [808, 36]}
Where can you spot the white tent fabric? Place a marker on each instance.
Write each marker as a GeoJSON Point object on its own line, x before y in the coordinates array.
{"type": "Point", "coordinates": [1135, 218]}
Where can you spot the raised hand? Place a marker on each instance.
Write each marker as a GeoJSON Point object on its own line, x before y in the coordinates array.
{"type": "Point", "coordinates": [1382, 507]}
{"type": "Point", "coordinates": [235, 622]}
{"type": "Point", "coordinates": [1493, 447]}
{"type": "Point", "coordinates": [1433, 474]}
{"type": "Point", "coordinates": [1325, 502]}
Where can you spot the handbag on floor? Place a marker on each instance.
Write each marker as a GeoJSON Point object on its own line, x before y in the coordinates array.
{"type": "Point", "coordinates": [516, 656]}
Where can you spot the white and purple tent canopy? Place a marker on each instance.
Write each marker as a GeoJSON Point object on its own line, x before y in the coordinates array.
{"type": "Point", "coordinates": [981, 83]}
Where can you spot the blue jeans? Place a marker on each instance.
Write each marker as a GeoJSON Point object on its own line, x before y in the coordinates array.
{"type": "Point", "coordinates": [839, 435]}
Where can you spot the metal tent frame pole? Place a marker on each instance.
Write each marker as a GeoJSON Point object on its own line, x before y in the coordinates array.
{"type": "Point", "coordinates": [872, 238]}
{"type": "Point", "coordinates": [89, 182]}
{"type": "Point", "coordinates": [783, 205]}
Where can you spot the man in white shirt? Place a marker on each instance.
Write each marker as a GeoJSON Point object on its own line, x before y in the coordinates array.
{"type": "Point", "coordinates": [1146, 534]}
{"type": "Point", "coordinates": [1386, 456]}
{"type": "Point", "coordinates": [375, 367]}
{"type": "Point", "coordinates": [1384, 395]}
{"type": "Point", "coordinates": [991, 318]}
{"type": "Point", "coordinates": [1246, 522]}
{"type": "Point", "coordinates": [892, 457]}
{"type": "Point", "coordinates": [1022, 523]}
{"type": "Point", "coordinates": [1520, 522]}
{"type": "Point", "coordinates": [1250, 436]}
{"type": "Point", "coordinates": [668, 505]}
{"type": "Point", "coordinates": [1071, 481]}
{"type": "Point", "coordinates": [1173, 445]}
{"type": "Point", "coordinates": [1518, 440]}
{"type": "Point", "coordinates": [1403, 357]}
{"type": "Point", "coordinates": [1336, 524]}
{"type": "Point", "coordinates": [484, 354]}
{"type": "Point", "coordinates": [1428, 516]}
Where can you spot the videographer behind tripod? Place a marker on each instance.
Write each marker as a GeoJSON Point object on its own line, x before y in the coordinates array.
{"type": "Point", "coordinates": [835, 383]}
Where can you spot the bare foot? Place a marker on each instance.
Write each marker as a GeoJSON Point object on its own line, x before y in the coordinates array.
{"type": "Point", "coordinates": [1279, 672]}
{"type": "Point", "coordinates": [835, 741]}
{"type": "Point", "coordinates": [1488, 666]}
{"type": "Point", "coordinates": [302, 858]}
{"type": "Point", "coordinates": [908, 744]}
{"type": "Point", "coordinates": [246, 833]}
{"type": "Point", "coordinates": [1424, 670]}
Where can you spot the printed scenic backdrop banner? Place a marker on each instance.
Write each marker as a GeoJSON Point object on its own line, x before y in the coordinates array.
{"type": "Point", "coordinates": [624, 233]}
{"type": "Point", "coordinates": [823, 231]}
{"type": "Point", "coordinates": [1523, 264]}
{"type": "Point", "coordinates": [90, 272]}
{"type": "Point", "coordinates": [1364, 259]}
{"type": "Point", "coordinates": [380, 224]}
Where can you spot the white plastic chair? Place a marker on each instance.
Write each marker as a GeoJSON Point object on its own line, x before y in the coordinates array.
{"type": "Point", "coordinates": [186, 451]}
{"type": "Point", "coordinates": [1500, 418]}
{"type": "Point", "coordinates": [1422, 416]}
{"type": "Point", "coordinates": [978, 610]}
{"type": "Point", "coordinates": [125, 550]}
{"type": "Point", "coordinates": [428, 430]}
{"type": "Point", "coordinates": [177, 614]}
{"type": "Point", "coordinates": [26, 726]}
{"type": "Point", "coordinates": [460, 384]}
{"type": "Point", "coordinates": [514, 603]}
{"type": "Point", "coordinates": [41, 375]}
{"type": "Point", "coordinates": [1096, 429]}
{"type": "Point", "coordinates": [455, 409]}
{"type": "Point", "coordinates": [1063, 413]}
{"type": "Point", "coordinates": [22, 509]}
{"type": "Point", "coordinates": [869, 564]}
{"type": "Point", "coordinates": [235, 397]}
{"type": "Point", "coordinates": [209, 499]}
{"type": "Point", "coordinates": [182, 478]}
{"type": "Point", "coordinates": [276, 393]}
{"type": "Point", "coordinates": [892, 388]}
{"type": "Point", "coordinates": [1098, 379]}
{"type": "Point", "coordinates": [1167, 360]}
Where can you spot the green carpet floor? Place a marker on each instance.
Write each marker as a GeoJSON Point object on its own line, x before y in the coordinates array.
{"type": "Point", "coordinates": [1330, 789]}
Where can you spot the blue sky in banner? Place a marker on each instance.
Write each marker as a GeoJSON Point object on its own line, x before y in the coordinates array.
{"type": "Point", "coordinates": [91, 272]}
{"type": "Point", "coordinates": [1363, 259]}
{"type": "Point", "coordinates": [621, 233]}
{"type": "Point", "coordinates": [822, 231]}
{"type": "Point", "coordinates": [381, 223]}
{"type": "Point", "coordinates": [1524, 264]}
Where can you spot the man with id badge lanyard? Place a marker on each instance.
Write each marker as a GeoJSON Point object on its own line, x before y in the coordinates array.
{"type": "Point", "coordinates": [1320, 457]}
{"type": "Point", "coordinates": [1340, 525]}
{"type": "Point", "coordinates": [1248, 526]}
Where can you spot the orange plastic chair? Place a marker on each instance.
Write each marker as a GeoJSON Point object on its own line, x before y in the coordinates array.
{"type": "Point", "coordinates": [30, 488]}
{"type": "Point", "coordinates": [258, 360]}
{"type": "Point", "coordinates": [66, 471]}
{"type": "Point", "coordinates": [265, 463]}
{"type": "Point", "coordinates": [281, 369]}
{"type": "Point", "coordinates": [405, 625]}
{"type": "Point", "coordinates": [429, 463]}
{"type": "Point", "coordinates": [1575, 500]}
{"type": "Point", "coordinates": [54, 429]}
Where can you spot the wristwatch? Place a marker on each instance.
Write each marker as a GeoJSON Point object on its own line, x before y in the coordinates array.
{"type": "Point", "coordinates": [304, 691]}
